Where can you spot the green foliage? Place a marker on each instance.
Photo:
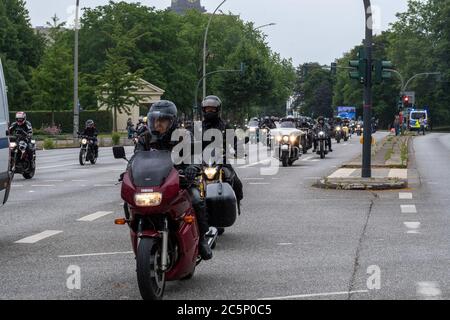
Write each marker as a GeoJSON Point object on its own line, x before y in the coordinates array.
{"type": "Point", "coordinates": [49, 144]}
{"type": "Point", "coordinates": [115, 138]}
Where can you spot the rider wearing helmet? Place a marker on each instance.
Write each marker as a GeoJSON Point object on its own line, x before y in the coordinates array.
{"type": "Point", "coordinates": [211, 109]}
{"type": "Point", "coordinates": [141, 126]}
{"type": "Point", "coordinates": [23, 127]}
{"type": "Point", "coordinates": [322, 126]}
{"type": "Point", "coordinates": [162, 122]}
{"type": "Point", "coordinates": [91, 131]}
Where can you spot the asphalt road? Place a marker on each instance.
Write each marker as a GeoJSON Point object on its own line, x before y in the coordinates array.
{"type": "Point", "coordinates": [292, 240]}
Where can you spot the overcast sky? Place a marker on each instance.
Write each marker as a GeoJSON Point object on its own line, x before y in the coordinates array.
{"type": "Point", "coordinates": [306, 30]}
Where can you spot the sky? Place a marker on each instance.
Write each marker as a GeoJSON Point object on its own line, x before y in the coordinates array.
{"type": "Point", "coordinates": [305, 30]}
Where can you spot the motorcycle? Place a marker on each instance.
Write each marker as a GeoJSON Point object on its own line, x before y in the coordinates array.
{"type": "Point", "coordinates": [87, 152]}
{"type": "Point", "coordinates": [359, 130]}
{"type": "Point", "coordinates": [322, 141]}
{"type": "Point", "coordinates": [163, 229]}
{"type": "Point", "coordinates": [338, 134]}
{"type": "Point", "coordinates": [20, 158]}
{"type": "Point", "coordinates": [266, 137]}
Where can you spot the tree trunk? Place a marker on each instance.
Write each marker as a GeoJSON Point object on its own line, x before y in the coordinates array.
{"type": "Point", "coordinates": [115, 120]}
{"type": "Point", "coordinates": [53, 118]}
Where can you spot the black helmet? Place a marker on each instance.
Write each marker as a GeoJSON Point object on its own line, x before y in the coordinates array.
{"type": "Point", "coordinates": [214, 102]}
{"type": "Point", "coordinates": [89, 123]}
{"type": "Point", "coordinates": [321, 119]}
{"type": "Point", "coordinates": [163, 110]}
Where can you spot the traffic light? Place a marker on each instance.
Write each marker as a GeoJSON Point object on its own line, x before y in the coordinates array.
{"type": "Point", "coordinates": [380, 70]}
{"type": "Point", "coordinates": [360, 65]}
{"type": "Point", "coordinates": [333, 68]}
{"type": "Point", "coordinates": [405, 101]}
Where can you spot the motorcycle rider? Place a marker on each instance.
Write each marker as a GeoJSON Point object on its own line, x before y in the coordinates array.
{"type": "Point", "coordinates": [91, 131]}
{"type": "Point", "coordinates": [322, 126]}
{"type": "Point", "coordinates": [162, 122]}
{"type": "Point", "coordinates": [21, 123]}
{"type": "Point", "coordinates": [268, 123]}
{"type": "Point", "coordinates": [211, 108]}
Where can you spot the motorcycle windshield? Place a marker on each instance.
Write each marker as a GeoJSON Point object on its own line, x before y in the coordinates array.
{"type": "Point", "coordinates": [151, 168]}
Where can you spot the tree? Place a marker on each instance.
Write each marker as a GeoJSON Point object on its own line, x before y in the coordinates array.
{"type": "Point", "coordinates": [20, 50]}
{"type": "Point", "coordinates": [118, 86]}
{"type": "Point", "coordinates": [52, 81]}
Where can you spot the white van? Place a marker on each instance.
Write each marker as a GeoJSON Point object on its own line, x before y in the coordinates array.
{"type": "Point", "coordinates": [5, 177]}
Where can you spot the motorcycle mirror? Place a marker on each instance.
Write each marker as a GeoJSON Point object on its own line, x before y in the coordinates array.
{"type": "Point", "coordinates": [119, 153]}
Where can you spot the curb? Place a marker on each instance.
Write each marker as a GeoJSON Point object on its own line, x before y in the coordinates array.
{"type": "Point", "coordinates": [361, 183]}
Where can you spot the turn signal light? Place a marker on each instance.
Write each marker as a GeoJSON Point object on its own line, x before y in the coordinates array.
{"type": "Point", "coordinates": [120, 221]}
{"type": "Point", "coordinates": [189, 219]}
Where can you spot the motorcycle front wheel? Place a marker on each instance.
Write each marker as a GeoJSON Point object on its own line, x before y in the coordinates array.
{"type": "Point", "coordinates": [82, 157]}
{"type": "Point", "coordinates": [29, 175]}
{"type": "Point", "coordinates": [151, 279]}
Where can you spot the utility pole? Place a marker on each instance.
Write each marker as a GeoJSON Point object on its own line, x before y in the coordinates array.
{"type": "Point", "coordinates": [76, 110]}
{"type": "Point", "coordinates": [367, 111]}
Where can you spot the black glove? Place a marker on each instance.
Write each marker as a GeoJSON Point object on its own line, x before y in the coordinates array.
{"type": "Point", "coordinates": [191, 172]}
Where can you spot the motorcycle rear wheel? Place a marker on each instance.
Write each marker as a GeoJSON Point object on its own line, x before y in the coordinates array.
{"type": "Point", "coordinates": [285, 162]}
{"type": "Point", "coordinates": [151, 280]}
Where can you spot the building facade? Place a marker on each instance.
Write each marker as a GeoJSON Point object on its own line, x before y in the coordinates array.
{"type": "Point", "coordinates": [181, 6]}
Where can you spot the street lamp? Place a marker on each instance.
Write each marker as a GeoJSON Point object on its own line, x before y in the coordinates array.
{"type": "Point", "coordinates": [76, 111]}
{"type": "Point", "coordinates": [204, 47]}
{"type": "Point", "coordinates": [266, 25]}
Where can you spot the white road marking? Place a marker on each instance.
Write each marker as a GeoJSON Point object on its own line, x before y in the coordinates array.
{"type": "Point", "coordinates": [53, 180]}
{"type": "Point", "coordinates": [247, 179]}
{"type": "Point", "coordinates": [408, 208]}
{"type": "Point", "coordinates": [405, 196]}
{"type": "Point", "coordinates": [413, 227]}
{"type": "Point", "coordinates": [104, 185]}
{"type": "Point", "coordinates": [342, 173]}
{"type": "Point", "coordinates": [95, 216]}
{"type": "Point", "coordinates": [31, 191]}
{"type": "Point", "coordinates": [259, 183]}
{"type": "Point", "coordinates": [398, 173]}
{"type": "Point", "coordinates": [315, 295]}
{"type": "Point", "coordinates": [38, 237]}
{"type": "Point", "coordinates": [285, 244]}
{"type": "Point", "coordinates": [58, 166]}
{"type": "Point", "coordinates": [428, 290]}
{"type": "Point", "coordinates": [307, 159]}
{"type": "Point", "coordinates": [255, 163]}
{"type": "Point", "coordinates": [95, 254]}
{"type": "Point", "coordinates": [315, 160]}
{"type": "Point", "coordinates": [43, 185]}
{"type": "Point", "coordinates": [17, 185]}
{"type": "Point", "coordinates": [79, 180]}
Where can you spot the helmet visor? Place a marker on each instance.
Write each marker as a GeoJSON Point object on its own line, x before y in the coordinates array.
{"type": "Point", "coordinates": [160, 123]}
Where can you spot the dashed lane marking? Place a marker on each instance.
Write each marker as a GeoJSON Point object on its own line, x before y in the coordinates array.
{"type": "Point", "coordinates": [38, 237]}
{"type": "Point", "coordinates": [316, 295]}
{"type": "Point", "coordinates": [95, 216]}
{"type": "Point", "coordinates": [428, 290]}
{"type": "Point", "coordinates": [413, 227]}
{"type": "Point", "coordinates": [405, 196]}
{"type": "Point", "coordinates": [408, 208]}
{"type": "Point", "coordinates": [94, 254]}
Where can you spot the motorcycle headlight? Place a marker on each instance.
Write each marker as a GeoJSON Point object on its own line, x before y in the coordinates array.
{"type": "Point", "coordinates": [321, 134]}
{"type": "Point", "coordinates": [210, 173]}
{"type": "Point", "coordinates": [252, 129]}
{"type": "Point", "coordinates": [293, 139]}
{"type": "Point", "coordinates": [264, 130]}
{"type": "Point", "coordinates": [148, 199]}
{"type": "Point", "coordinates": [286, 139]}
{"type": "Point", "coordinates": [12, 145]}
{"type": "Point", "coordinates": [279, 138]}
{"type": "Point", "coordinates": [338, 128]}
{"type": "Point", "coordinates": [84, 141]}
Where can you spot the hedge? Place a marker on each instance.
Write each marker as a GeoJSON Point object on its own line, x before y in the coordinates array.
{"type": "Point", "coordinates": [43, 119]}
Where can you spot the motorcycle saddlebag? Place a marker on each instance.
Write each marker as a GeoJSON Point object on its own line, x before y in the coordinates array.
{"type": "Point", "coordinates": [221, 204]}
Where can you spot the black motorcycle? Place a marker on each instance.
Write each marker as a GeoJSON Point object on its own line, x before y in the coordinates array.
{"type": "Point", "coordinates": [322, 140]}
{"type": "Point", "coordinates": [87, 151]}
{"type": "Point", "coordinates": [23, 154]}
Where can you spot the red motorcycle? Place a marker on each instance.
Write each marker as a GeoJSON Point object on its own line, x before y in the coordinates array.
{"type": "Point", "coordinates": [162, 221]}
